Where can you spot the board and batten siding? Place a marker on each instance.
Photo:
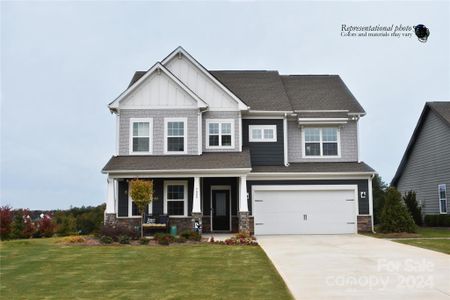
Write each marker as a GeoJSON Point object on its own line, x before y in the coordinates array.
{"type": "Point", "coordinates": [349, 143]}
{"type": "Point", "coordinates": [264, 153]}
{"type": "Point", "coordinates": [158, 116]}
{"type": "Point", "coordinates": [429, 165]}
{"type": "Point", "coordinates": [217, 115]}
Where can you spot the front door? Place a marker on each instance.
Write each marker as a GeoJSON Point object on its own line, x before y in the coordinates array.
{"type": "Point", "coordinates": [220, 210]}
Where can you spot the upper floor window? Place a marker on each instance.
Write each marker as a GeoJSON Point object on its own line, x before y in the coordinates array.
{"type": "Point", "coordinates": [262, 133]}
{"type": "Point", "coordinates": [220, 134]}
{"type": "Point", "coordinates": [175, 198]}
{"type": "Point", "coordinates": [141, 135]}
{"type": "Point", "coordinates": [175, 135]}
{"type": "Point", "coordinates": [442, 188]}
{"type": "Point", "coordinates": [321, 142]}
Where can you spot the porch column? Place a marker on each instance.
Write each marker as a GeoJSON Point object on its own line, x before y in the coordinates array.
{"type": "Point", "coordinates": [110, 211]}
{"type": "Point", "coordinates": [196, 207]}
{"type": "Point", "coordinates": [244, 216]}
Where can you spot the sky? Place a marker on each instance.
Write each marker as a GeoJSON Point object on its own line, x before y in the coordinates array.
{"type": "Point", "coordinates": [63, 62]}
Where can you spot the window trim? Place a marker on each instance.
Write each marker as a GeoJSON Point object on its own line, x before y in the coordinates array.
{"type": "Point", "coordinates": [185, 199]}
{"type": "Point", "coordinates": [262, 139]}
{"type": "Point", "coordinates": [220, 122]}
{"type": "Point", "coordinates": [166, 136]}
{"type": "Point", "coordinates": [442, 199]}
{"type": "Point", "coordinates": [321, 143]}
{"type": "Point", "coordinates": [150, 136]}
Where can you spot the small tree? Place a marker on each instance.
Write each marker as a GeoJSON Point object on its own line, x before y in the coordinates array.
{"type": "Point", "coordinates": [395, 216]}
{"type": "Point", "coordinates": [6, 218]}
{"type": "Point", "coordinates": [413, 207]}
{"type": "Point", "coordinates": [379, 192]}
{"type": "Point", "coordinates": [142, 195]}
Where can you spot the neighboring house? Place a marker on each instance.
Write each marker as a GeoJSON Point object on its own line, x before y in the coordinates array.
{"type": "Point", "coordinates": [240, 150]}
{"type": "Point", "coordinates": [425, 166]}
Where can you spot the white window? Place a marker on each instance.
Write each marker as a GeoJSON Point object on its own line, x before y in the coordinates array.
{"type": "Point", "coordinates": [321, 142]}
{"type": "Point", "coordinates": [220, 134]}
{"type": "Point", "coordinates": [175, 135]}
{"type": "Point", "coordinates": [262, 133]}
{"type": "Point", "coordinates": [175, 198]}
{"type": "Point", "coordinates": [442, 189]}
{"type": "Point", "coordinates": [141, 131]}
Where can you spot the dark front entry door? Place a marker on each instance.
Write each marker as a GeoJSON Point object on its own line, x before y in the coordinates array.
{"type": "Point", "coordinates": [221, 210]}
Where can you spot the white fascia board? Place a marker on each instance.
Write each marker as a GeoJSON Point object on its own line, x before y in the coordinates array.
{"type": "Point", "coordinates": [322, 110]}
{"type": "Point", "coordinates": [183, 172]}
{"type": "Point", "coordinates": [158, 66]}
{"type": "Point", "coordinates": [318, 121]}
{"type": "Point", "coordinates": [241, 104]}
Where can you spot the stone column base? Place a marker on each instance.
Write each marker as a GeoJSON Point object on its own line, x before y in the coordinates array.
{"type": "Point", "coordinates": [110, 219]}
{"type": "Point", "coordinates": [244, 221]}
{"type": "Point", "coordinates": [197, 222]}
{"type": "Point", "coordinates": [364, 223]}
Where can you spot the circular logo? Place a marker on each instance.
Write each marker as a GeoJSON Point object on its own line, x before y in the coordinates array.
{"type": "Point", "coordinates": [422, 32]}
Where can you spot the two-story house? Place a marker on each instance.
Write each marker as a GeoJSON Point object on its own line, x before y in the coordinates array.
{"type": "Point", "coordinates": [240, 150]}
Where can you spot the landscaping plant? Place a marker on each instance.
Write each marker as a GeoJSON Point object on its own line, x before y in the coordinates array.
{"type": "Point", "coordinates": [378, 192]}
{"type": "Point", "coordinates": [413, 207]}
{"type": "Point", "coordinates": [142, 194]}
{"type": "Point", "coordinates": [6, 218]}
{"type": "Point", "coordinates": [395, 216]}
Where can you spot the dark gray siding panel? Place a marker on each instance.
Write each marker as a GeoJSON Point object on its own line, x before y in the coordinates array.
{"type": "Point", "coordinates": [123, 199]}
{"type": "Point", "coordinates": [363, 186]}
{"type": "Point", "coordinates": [264, 154]}
{"type": "Point", "coordinates": [428, 164]}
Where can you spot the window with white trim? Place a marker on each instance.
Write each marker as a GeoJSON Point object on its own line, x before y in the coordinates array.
{"type": "Point", "coordinates": [321, 142]}
{"type": "Point", "coordinates": [262, 133]}
{"type": "Point", "coordinates": [220, 134]}
{"type": "Point", "coordinates": [175, 198]}
{"type": "Point", "coordinates": [175, 133]}
{"type": "Point", "coordinates": [141, 135]}
{"type": "Point", "coordinates": [442, 189]}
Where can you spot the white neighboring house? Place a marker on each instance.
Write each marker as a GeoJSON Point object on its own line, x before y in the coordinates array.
{"type": "Point", "coordinates": [240, 151]}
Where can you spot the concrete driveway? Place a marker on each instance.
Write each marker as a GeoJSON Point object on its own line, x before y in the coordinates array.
{"type": "Point", "coordinates": [357, 267]}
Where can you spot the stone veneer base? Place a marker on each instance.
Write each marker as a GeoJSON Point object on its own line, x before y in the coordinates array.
{"type": "Point", "coordinates": [364, 223]}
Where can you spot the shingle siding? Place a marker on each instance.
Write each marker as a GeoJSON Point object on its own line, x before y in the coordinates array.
{"type": "Point", "coordinates": [349, 144]}
{"type": "Point", "coordinates": [428, 164]}
{"type": "Point", "coordinates": [234, 115]}
{"type": "Point", "coordinates": [158, 116]}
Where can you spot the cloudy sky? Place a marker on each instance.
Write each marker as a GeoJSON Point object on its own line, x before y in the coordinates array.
{"type": "Point", "coordinates": [62, 62]}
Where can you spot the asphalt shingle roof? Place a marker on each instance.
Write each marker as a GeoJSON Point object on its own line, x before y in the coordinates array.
{"type": "Point", "coordinates": [319, 167]}
{"type": "Point", "coordinates": [208, 160]}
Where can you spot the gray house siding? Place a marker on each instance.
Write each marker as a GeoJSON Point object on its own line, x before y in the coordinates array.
{"type": "Point", "coordinates": [158, 116]}
{"type": "Point", "coordinates": [363, 186]}
{"type": "Point", "coordinates": [234, 115]}
{"type": "Point", "coordinates": [429, 164]}
{"type": "Point", "coordinates": [264, 153]}
{"type": "Point", "coordinates": [349, 143]}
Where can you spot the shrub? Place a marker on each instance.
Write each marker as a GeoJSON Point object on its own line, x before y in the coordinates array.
{"type": "Point", "coordinates": [180, 239]}
{"type": "Point", "coordinates": [106, 239]}
{"type": "Point", "coordinates": [395, 216]}
{"type": "Point", "coordinates": [6, 218]}
{"type": "Point", "coordinates": [413, 207]}
{"type": "Point", "coordinates": [164, 241]}
{"type": "Point", "coordinates": [163, 236]}
{"type": "Point", "coordinates": [242, 239]}
{"type": "Point", "coordinates": [437, 220]}
{"type": "Point", "coordinates": [66, 224]}
{"type": "Point", "coordinates": [144, 241]}
{"type": "Point", "coordinates": [191, 235]}
{"type": "Point", "coordinates": [115, 231]}
{"type": "Point", "coordinates": [378, 192]}
{"type": "Point", "coordinates": [124, 239]}
{"type": "Point", "coordinates": [74, 239]}
{"type": "Point", "coordinates": [186, 234]}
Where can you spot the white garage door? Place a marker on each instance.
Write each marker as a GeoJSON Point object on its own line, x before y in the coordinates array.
{"type": "Point", "coordinates": [304, 209]}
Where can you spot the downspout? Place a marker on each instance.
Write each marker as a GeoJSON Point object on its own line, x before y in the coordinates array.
{"type": "Point", "coordinates": [285, 140]}
{"type": "Point", "coordinates": [371, 201]}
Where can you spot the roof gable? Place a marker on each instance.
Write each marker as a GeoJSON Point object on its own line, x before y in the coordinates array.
{"type": "Point", "coordinates": [175, 92]}
{"type": "Point", "coordinates": [442, 110]}
{"type": "Point", "coordinates": [200, 80]}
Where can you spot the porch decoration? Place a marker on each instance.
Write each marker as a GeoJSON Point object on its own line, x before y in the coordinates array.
{"type": "Point", "coordinates": [142, 194]}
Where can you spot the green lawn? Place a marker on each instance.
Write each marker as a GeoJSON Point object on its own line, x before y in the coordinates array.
{"type": "Point", "coordinates": [419, 239]}
{"type": "Point", "coordinates": [41, 268]}
{"type": "Point", "coordinates": [436, 244]}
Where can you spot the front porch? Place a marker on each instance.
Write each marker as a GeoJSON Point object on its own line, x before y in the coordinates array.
{"type": "Point", "coordinates": [213, 204]}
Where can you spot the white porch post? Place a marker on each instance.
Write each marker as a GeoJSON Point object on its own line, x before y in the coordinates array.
{"type": "Point", "coordinates": [243, 205]}
{"type": "Point", "coordinates": [196, 207]}
{"type": "Point", "coordinates": [110, 197]}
